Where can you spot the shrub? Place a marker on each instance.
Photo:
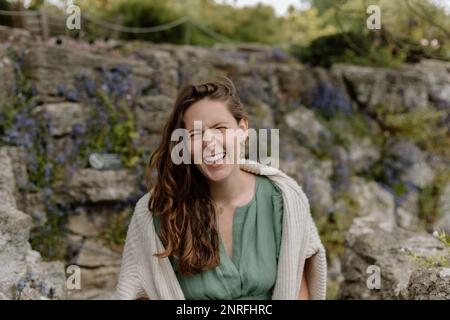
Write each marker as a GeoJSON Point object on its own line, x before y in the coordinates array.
{"type": "Point", "coordinates": [5, 20]}
{"type": "Point", "coordinates": [374, 48]}
{"type": "Point", "coordinates": [138, 13]}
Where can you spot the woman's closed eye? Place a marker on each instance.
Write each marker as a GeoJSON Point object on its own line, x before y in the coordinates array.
{"type": "Point", "coordinates": [195, 134]}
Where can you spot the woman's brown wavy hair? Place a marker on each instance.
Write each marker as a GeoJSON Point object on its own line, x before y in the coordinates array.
{"type": "Point", "coordinates": [180, 195]}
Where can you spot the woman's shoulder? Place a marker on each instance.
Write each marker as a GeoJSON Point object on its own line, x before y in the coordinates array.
{"type": "Point", "coordinates": [141, 207]}
{"type": "Point", "coordinates": [272, 195]}
{"type": "Point", "coordinates": [270, 187]}
{"type": "Point", "coordinates": [142, 202]}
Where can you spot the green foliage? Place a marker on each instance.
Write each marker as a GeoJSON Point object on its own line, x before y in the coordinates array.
{"type": "Point", "coordinates": [346, 127]}
{"type": "Point", "coordinates": [36, 4]}
{"type": "Point", "coordinates": [122, 134]}
{"type": "Point", "coordinates": [350, 47]}
{"type": "Point", "coordinates": [413, 19]}
{"type": "Point", "coordinates": [443, 237]}
{"type": "Point", "coordinates": [436, 260]}
{"type": "Point", "coordinates": [210, 21]}
{"type": "Point", "coordinates": [5, 20]}
{"type": "Point", "coordinates": [48, 239]}
{"type": "Point", "coordinates": [21, 104]}
{"type": "Point", "coordinates": [429, 198]}
{"type": "Point", "coordinates": [418, 125]}
{"type": "Point", "coordinates": [112, 129]}
{"type": "Point", "coordinates": [333, 227]}
{"type": "Point", "coordinates": [425, 127]}
{"type": "Point", "coordinates": [303, 26]}
{"type": "Point", "coordinates": [23, 94]}
{"type": "Point", "coordinates": [332, 289]}
{"type": "Point", "coordinates": [324, 5]}
{"type": "Point", "coordinates": [404, 24]}
{"type": "Point", "coordinates": [248, 24]}
{"type": "Point", "coordinates": [324, 33]}
{"type": "Point", "coordinates": [20, 126]}
{"type": "Point", "coordinates": [429, 262]}
{"type": "Point", "coordinates": [116, 230]}
{"type": "Point", "coordinates": [147, 13]}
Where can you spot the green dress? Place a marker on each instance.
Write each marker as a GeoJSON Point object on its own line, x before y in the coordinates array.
{"type": "Point", "coordinates": [252, 271]}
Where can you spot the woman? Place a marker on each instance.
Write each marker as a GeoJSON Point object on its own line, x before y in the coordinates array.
{"type": "Point", "coordinates": [214, 225]}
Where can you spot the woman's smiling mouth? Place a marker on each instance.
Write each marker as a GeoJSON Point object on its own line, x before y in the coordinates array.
{"type": "Point", "coordinates": [209, 160]}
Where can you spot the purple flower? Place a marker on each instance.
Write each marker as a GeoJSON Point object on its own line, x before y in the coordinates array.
{"type": "Point", "coordinates": [90, 87]}
{"type": "Point", "coordinates": [80, 77]}
{"type": "Point", "coordinates": [77, 129]}
{"type": "Point", "coordinates": [60, 158]}
{"type": "Point", "coordinates": [123, 69]}
{"type": "Point", "coordinates": [22, 284]}
{"type": "Point", "coordinates": [72, 96]}
{"type": "Point", "coordinates": [47, 191]}
{"type": "Point", "coordinates": [48, 171]}
{"type": "Point", "coordinates": [330, 100]}
{"type": "Point", "coordinates": [61, 89]}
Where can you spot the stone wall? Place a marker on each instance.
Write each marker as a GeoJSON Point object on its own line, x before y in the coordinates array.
{"type": "Point", "coordinates": [376, 242]}
{"type": "Point", "coordinates": [23, 273]}
{"type": "Point", "coordinates": [332, 142]}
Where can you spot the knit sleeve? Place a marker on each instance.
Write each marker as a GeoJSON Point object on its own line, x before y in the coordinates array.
{"type": "Point", "coordinates": [277, 202]}
{"type": "Point", "coordinates": [128, 287]}
{"type": "Point", "coordinates": [314, 243]}
{"type": "Point", "coordinates": [315, 264]}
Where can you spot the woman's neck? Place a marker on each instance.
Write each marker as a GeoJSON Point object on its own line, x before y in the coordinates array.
{"type": "Point", "coordinates": [237, 189]}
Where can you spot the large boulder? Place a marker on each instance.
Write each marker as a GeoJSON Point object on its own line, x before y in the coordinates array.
{"type": "Point", "coordinates": [444, 210]}
{"type": "Point", "coordinates": [437, 74]}
{"type": "Point", "coordinates": [372, 200]}
{"type": "Point", "coordinates": [153, 112]}
{"type": "Point", "coordinates": [362, 153]}
{"type": "Point", "coordinates": [166, 68]}
{"type": "Point", "coordinates": [7, 179]}
{"type": "Point", "coordinates": [85, 225]}
{"type": "Point", "coordinates": [430, 284]}
{"type": "Point", "coordinates": [373, 244]}
{"type": "Point", "coordinates": [23, 275]}
{"type": "Point", "coordinates": [411, 163]}
{"type": "Point", "coordinates": [306, 127]}
{"type": "Point", "coordinates": [311, 173]}
{"type": "Point", "coordinates": [100, 267]}
{"type": "Point", "coordinates": [407, 210]}
{"type": "Point", "coordinates": [396, 90]}
{"type": "Point", "coordinates": [39, 59]}
{"type": "Point", "coordinates": [7, 79]}
{"type": "Point", "coordinates": [358, 155]}
{"type": "Point", "coordinates": [62, 117]}
{"type": "Point", "coordinates": [92, 185]}
{"type": "Point", "coordinates": [13, 173]}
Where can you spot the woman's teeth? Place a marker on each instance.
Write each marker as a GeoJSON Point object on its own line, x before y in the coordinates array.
{"type": "Point", "coordinates": [212, 159]}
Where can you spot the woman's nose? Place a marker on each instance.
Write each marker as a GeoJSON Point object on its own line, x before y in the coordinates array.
{"type": "Point", "coordinates": [211, 142]}
{"type": "Point", "coordinates": [212, 139]}
{"type": "Point", "coordinates": [210, 134]}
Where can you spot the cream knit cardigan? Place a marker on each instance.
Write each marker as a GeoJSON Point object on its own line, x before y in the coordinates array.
{"type": "Point", "coordinates": [143, 275]}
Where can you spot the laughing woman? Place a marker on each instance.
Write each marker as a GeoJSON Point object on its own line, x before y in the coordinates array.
{"type": "Point", "coordinates": [218, 226]}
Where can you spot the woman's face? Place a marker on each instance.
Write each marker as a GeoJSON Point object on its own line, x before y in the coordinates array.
{"type": "Point", "coordinates": [215, 138]}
